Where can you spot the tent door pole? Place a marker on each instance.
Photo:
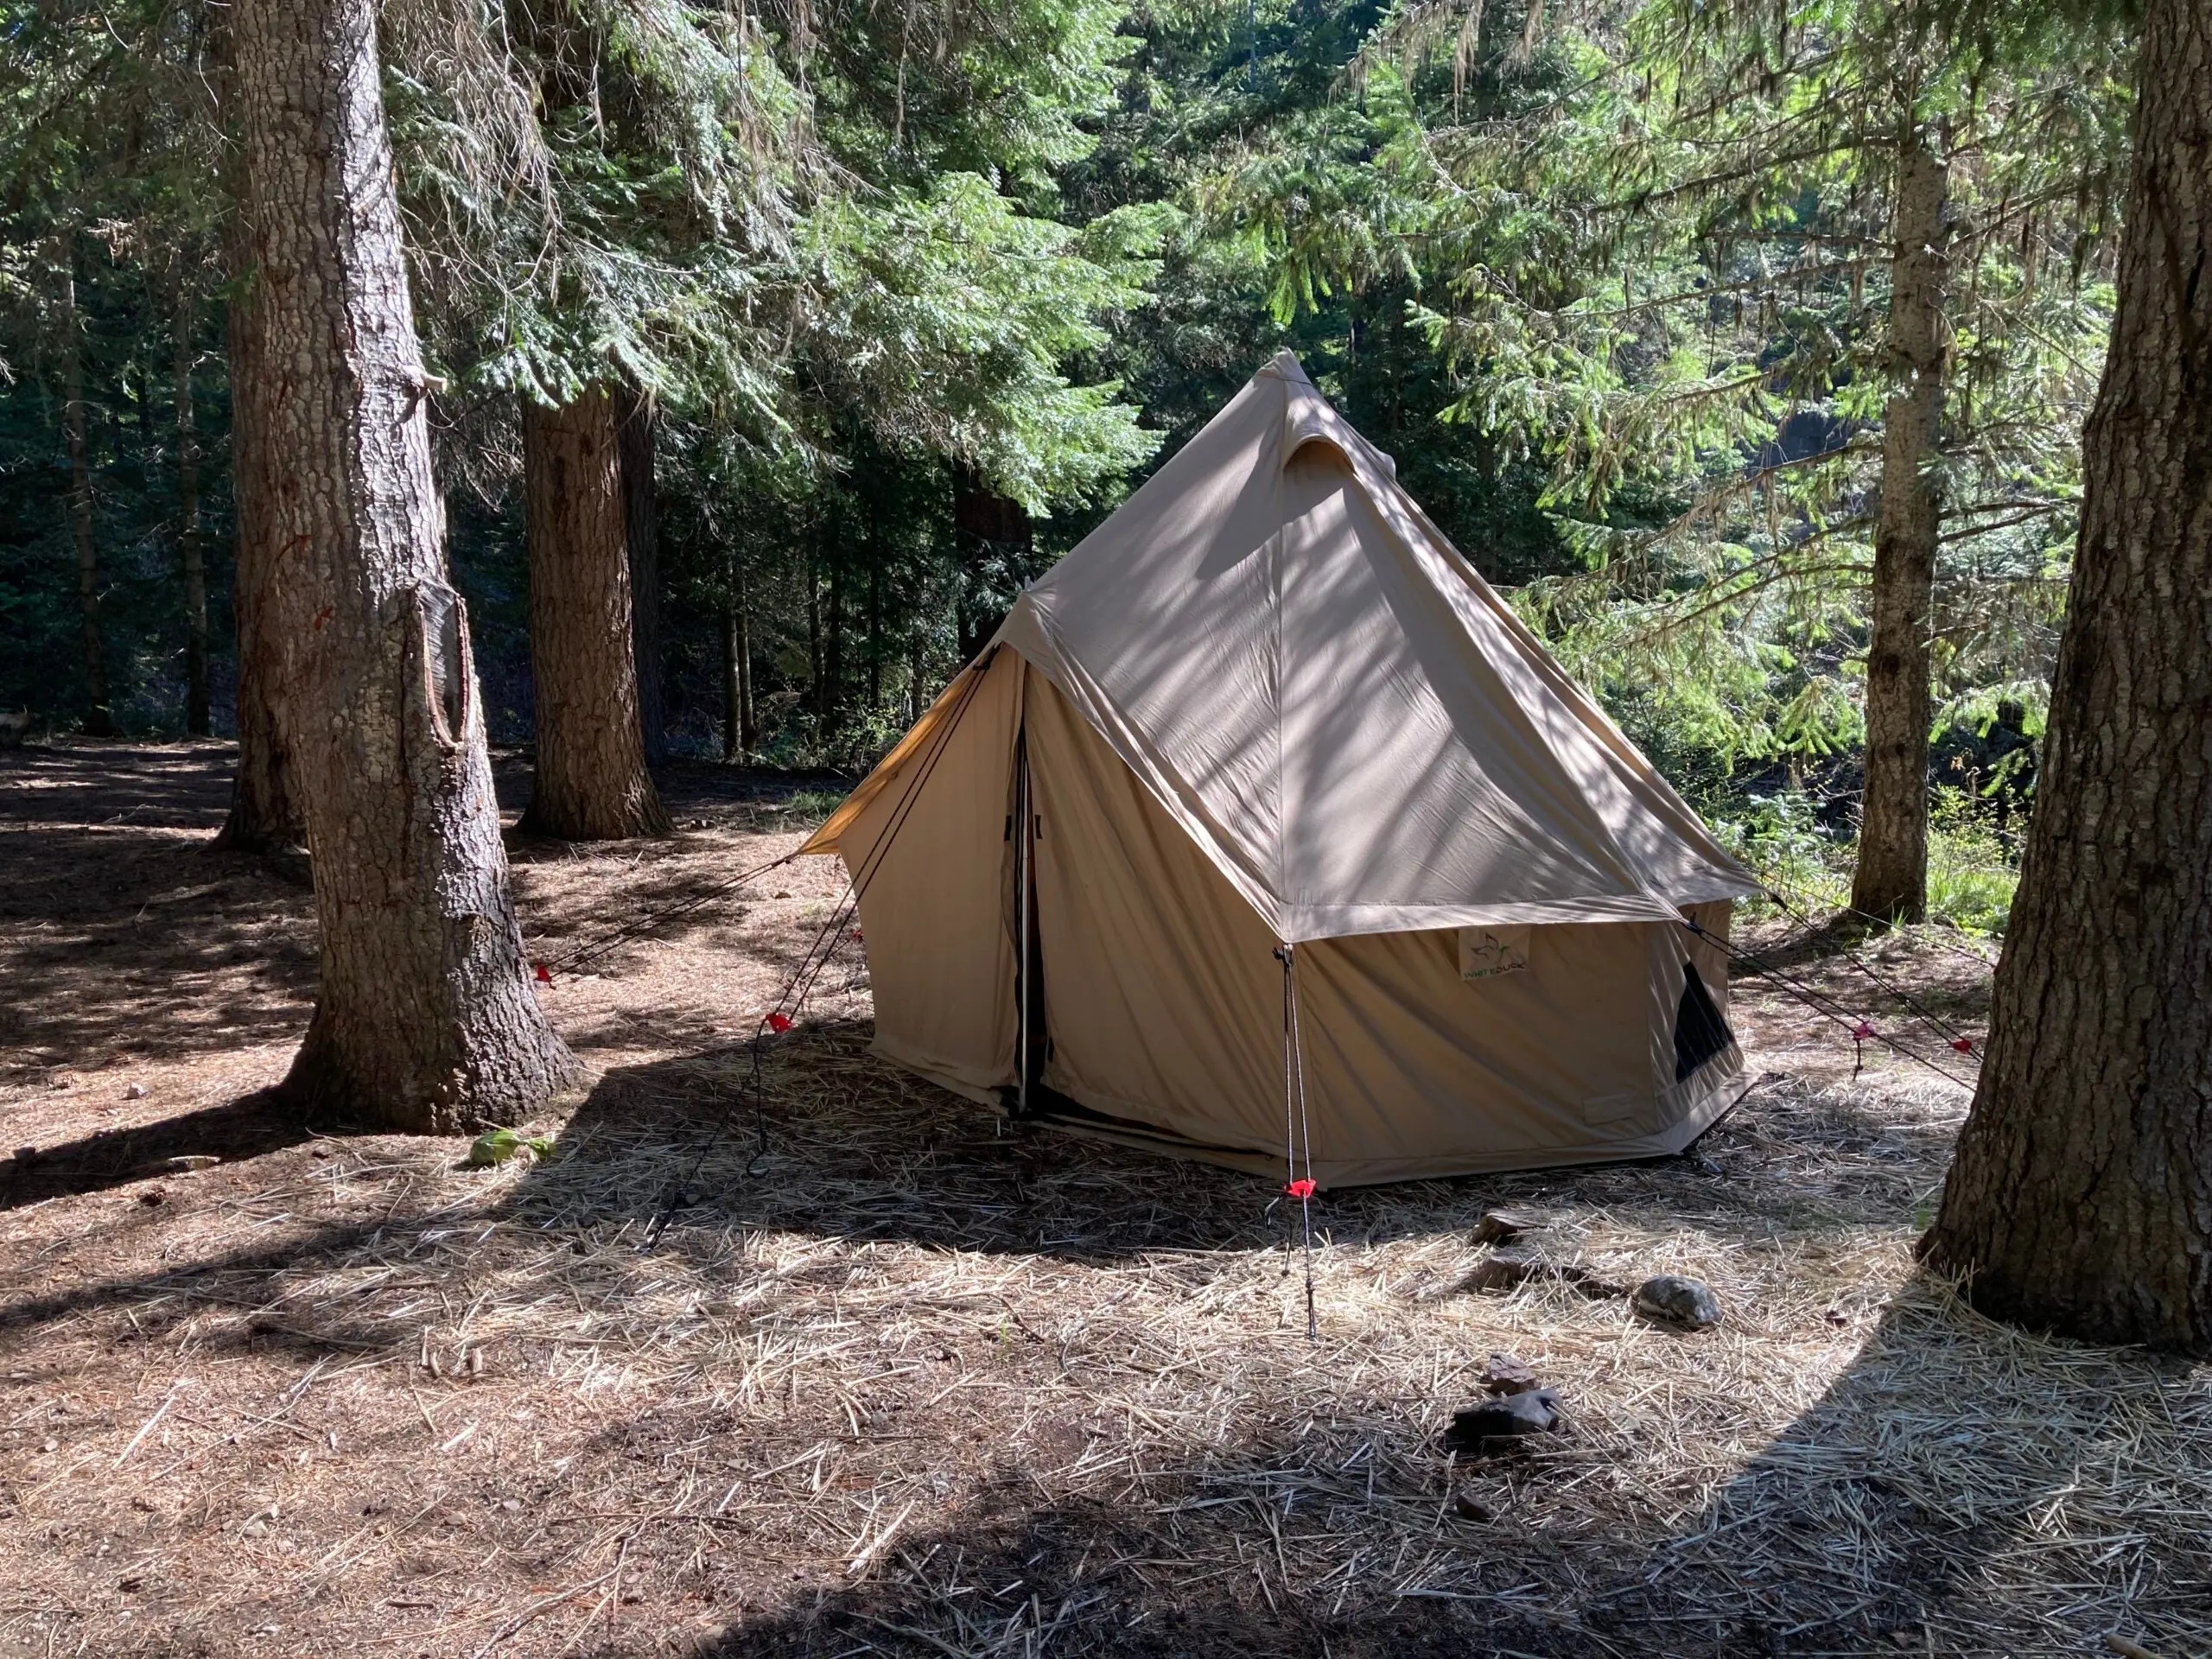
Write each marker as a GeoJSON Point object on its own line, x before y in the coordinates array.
{"type": "Point", "coordinates": [1025, 878]}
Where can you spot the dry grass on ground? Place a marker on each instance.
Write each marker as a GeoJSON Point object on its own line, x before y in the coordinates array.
{"type": "Point", "coordinates": [906, 1385]}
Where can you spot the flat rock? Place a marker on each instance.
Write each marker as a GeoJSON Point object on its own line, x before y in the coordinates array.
{"type": "Point", "coordinates": [1479, 1429]}
{"type": "Point", "coordinates": [1508, 1373]}
{"type": "Point", "coordinates": [1687, 1304]}
{"type": "Point", "coordinates": [1468, 1507]}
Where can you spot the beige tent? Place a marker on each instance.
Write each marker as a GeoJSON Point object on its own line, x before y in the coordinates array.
{"type": "Point", "coordinates": [1266, 704]}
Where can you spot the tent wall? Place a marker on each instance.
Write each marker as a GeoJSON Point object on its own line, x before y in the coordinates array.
{"type": "Point", "coordinates": [933, 907]}
{"type": "Point", "coordinates": [1163, 1003]}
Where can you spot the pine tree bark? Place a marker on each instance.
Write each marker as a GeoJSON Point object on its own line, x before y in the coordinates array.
{"type": "Point", "coordinates": [2081, 1196]}
{"type": "Point", "coordinates": [591, 782]}
{"type": "Point", "coordinates": [641, 527]}
{"type": "Point", "coordinates": [1891, 880]}
{"type": "Point", "coordinates": [190, 553]}
{"type": "Point", "coordinates": [265, 813]}
{"type": "Point", "coordinates": [425, 1017]}
{"type": "Point", "coordinates": [99, 715]}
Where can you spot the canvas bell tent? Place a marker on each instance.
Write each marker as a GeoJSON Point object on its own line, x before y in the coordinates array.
{"type": "Point", "coordinates": [1264, 753]}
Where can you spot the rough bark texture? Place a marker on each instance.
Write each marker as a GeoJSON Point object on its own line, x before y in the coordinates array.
{"type": "Point", "coordinates": [265, 814]}
{"type": "Point", "coordinates": [641, 521]}
{"type": "Point", "coordinates": [1892, 881]}
{"type": "Point", "coordinates": [2081, 1197]}
{"type": "Point", "coordinates": [190, 554]}
{"type": "Point", "coordinates": [426, 1018]}
{"type": "Point", "coordinates": [100, 715]}
{"type": "Point", "coordinates": [591, 782]}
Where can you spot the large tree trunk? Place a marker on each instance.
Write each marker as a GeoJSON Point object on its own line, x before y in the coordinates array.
{"type": "Point", "coordinates": [265, 813]}
{"type": "Point", "coordinates": [100, 715]}
{"type": "Point", "coordinates": [190, 553]}
{"type": "Point", "coordinates": [641, 522]}
{"type": "Point", "coordinates": [2081, 1197]}
{"type": "Point", "coordinates": [591, 781]}
{"type": "Point", "coordinates": [426, 1018]}
{"type": "Point", "coordinates": [1892, 881]}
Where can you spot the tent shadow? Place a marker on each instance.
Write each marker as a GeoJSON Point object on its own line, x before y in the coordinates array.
{"type": "Point", "coordinates": [839, 1143]}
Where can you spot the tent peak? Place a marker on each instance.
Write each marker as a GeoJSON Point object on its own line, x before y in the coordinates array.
{"type": "Point", "coordinates": [1285, 363]}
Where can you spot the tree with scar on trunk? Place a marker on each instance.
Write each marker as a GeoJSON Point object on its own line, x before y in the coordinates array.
{"type": "Point", "coordinates": [425, 1017]}
{"type": "Point", "coordinates": [2081, 1197]}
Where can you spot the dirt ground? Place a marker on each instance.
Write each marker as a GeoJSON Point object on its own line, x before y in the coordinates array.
{"type": "Point", "coordinates": [899, 1379]}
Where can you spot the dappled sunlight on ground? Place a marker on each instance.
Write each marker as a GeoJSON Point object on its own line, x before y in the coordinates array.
{"type": "Point", "coordinates": [905, 1381]}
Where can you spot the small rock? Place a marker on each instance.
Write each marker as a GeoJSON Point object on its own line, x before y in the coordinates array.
{"type": "Point", "coordinates": [135, 1092]}
{"type": "Point", "coordinates": [26, 1154]}
{"type": "Point", "coordinates": [1468, 1507]}
{"type": "Point", "coordinates": [511, 1504]}
{"type": "Point", "coordinates": [256, 1529]}
{"type": "Point", "coordinates": [50, 1444]}
{"type": "Point", "coordinates": [185, 1163]}
{"type": "Point", "coordinates": [1671, 1298]}
{"type": "Point", "coordinates": [1501, 1227]}
{"type": "Point", "coordinates": [1483, 1428]}
{"type": "Point", "coordinates": [153, 1195]}
{"type": "Point", "coordinates": [1508, 1373]}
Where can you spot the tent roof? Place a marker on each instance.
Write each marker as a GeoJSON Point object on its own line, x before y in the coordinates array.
{"type": "Point", "coordinates": [1336, 708]}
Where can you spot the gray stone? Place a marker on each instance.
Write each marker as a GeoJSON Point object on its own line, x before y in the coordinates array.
{"type": "Point", "coordinates": [1687, 1304]}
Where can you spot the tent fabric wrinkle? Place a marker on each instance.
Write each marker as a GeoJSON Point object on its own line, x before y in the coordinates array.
{"type": "Point", "coordinates": [1266, 704]}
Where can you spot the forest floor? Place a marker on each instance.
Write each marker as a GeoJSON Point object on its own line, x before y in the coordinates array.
{"type": "Point", "coordinates": [908, 1384]}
